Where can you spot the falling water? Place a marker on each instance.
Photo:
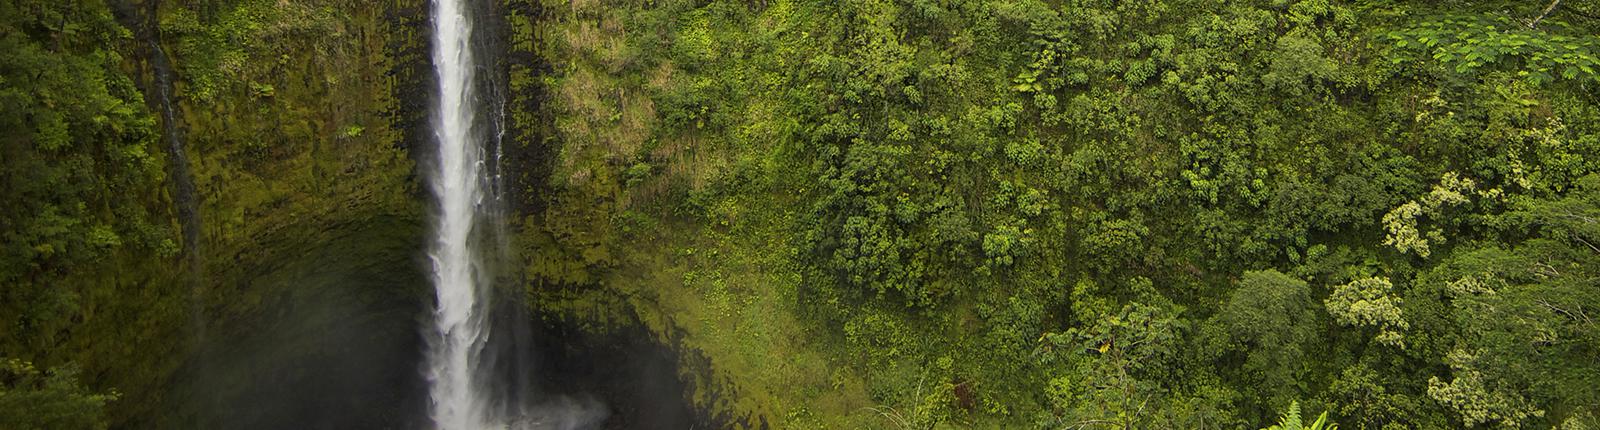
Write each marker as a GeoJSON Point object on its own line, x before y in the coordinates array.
{"type": "Point", "coordinates": [462, 395]}
{"type": "Point", "coordinates": [459, 336]}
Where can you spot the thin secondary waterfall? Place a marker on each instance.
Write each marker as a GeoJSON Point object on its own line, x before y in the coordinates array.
{"type": "Point", "coordinates": [459, 337]}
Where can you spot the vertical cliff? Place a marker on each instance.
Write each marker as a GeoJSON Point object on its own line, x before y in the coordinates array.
{"type": "Point", "coordinates": [296, 122]}
{"type": "Point", "coordinates": [301, 120]}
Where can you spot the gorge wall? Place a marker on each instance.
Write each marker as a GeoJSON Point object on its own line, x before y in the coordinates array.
{"type": "Point", "coordinates": [823, 214]}
{"type": "Point", "coordinates": [289, 136]}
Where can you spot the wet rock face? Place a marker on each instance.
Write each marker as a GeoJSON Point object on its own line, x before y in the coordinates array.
{"type": "Point", "coordinates": [636, 379]}
{"type": "Point", "coordinates": [326, 361]}
{"type": "Point", "coordinates": [314, 321]}
{"type": "Point", "coordinates": [333, 342]}
{"type": "Point", "coordinates": [336, 358]}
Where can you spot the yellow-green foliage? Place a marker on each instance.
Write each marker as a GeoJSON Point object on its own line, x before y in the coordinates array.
{"type": "Point", "coordinates": [1001, 213]}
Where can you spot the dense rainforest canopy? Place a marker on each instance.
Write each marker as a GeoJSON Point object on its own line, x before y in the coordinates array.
{"type": "Point", "coordinates": [848, 214]}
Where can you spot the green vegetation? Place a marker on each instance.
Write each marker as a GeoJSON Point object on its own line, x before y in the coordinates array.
{"type": "Point", "coordinates": [1291, 421]}
{"type": "Point", "coordinates": [857, 214]}
{"type": "Point", "coordinates": [1086, 214]}
{"type": "Point", "coordinates": [81, 175]}
{"type": "Point", "coordinates": [30, 399]}
{"type": "Point", "coordinates": [294, 139]}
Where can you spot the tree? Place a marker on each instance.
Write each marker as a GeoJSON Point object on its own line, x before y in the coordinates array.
{"type": "Point", "coordinates": [81, 176]}
{"type": "Point", "coordinates": [1115, 365]}
{"type": "Point", "coordinates": [1370, 302]}
{"type": "Point", "coordinates": [1526, 315]}
{"type": "Point", "coordinates": [53, 400]}
{"type": "Point", "coordinates": [1269, 322]}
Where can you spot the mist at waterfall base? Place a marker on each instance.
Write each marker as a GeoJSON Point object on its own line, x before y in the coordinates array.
{"type": "Point", "coordinates": [340, 349]}
{"type": "Point", "coordinates": [332, 338]}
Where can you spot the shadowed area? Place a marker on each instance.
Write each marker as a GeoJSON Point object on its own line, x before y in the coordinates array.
{"type": "Point", "coordinates": [635, 378]}
{"type": "Point", "coordinates": [333, 342]}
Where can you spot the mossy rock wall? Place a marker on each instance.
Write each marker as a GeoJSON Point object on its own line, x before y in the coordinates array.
{"type": "Point", "coordinates": [298, 120]}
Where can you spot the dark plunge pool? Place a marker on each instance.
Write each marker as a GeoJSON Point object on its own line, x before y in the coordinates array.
{"type": "Point", "coordinates": [332, 341]}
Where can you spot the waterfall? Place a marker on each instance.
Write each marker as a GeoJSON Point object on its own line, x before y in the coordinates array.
{"type": "Point", "coordinates": [457, 399]}
{"type": "Point", "coordinates": [469, 387]}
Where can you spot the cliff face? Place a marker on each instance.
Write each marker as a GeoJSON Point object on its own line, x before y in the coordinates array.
{"type": "Point", "coordinates": [303, 126]}
{"type": "Point", "coordinates": [300, 118]}
{"type": "Point", "coordinates": [821, 214]}
{"type": "Point", "coordinates": [289, 258]}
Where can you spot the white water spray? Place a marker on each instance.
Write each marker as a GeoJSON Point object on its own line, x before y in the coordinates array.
{"type": "Point", "coordinates": [458, 391]}
{"type": "Point", "coordinates": [459, 337]}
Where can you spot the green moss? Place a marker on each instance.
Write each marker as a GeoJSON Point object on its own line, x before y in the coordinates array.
{"type": "Point", "coordinates": [294, 134]}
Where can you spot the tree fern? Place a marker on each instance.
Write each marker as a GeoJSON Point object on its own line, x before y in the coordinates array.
{"type": "Point", "coordinates": [1291, 420]}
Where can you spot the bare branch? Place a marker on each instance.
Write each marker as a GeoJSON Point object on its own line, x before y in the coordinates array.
{"type": "Point", "coordinates": [1547, 9]}
{"type": "Point", "coordinates": [1087, 423]}
{"type": "Point", "coordinates": [1545, 269]}
{"type": "Point", "coordinates": [1585, 242]}
{"type": "Point", "coordinates": [891, 414]}
{"type": "Point", "coordinates": [1574, 316]}
{"type": "Point", "coordinates": [1576, 216]}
